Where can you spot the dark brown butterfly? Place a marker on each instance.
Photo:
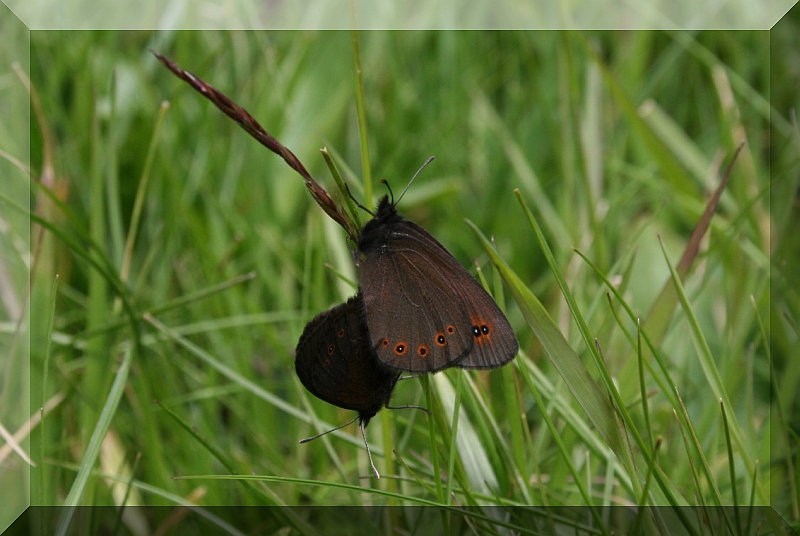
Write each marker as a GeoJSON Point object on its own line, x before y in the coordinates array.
{"type": "Point", "coordinates": [424, 311]}
{"type": "Point", "coordinates": [335, 362]}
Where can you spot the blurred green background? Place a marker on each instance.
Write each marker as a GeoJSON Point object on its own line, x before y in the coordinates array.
{"type": "Point", "coordinates": [613, 140]}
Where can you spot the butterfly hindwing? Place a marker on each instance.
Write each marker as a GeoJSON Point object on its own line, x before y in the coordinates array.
{"type": "Point", "coordinates": [335, 362]}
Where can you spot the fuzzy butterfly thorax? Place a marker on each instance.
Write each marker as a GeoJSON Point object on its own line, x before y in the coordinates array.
{"type": "Point", "coordinates": [378, 231]}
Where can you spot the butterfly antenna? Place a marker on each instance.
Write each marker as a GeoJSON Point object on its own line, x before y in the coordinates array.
{"type": "Point", "coordinates": [357, 202]}
{"type": "Point", "coordinates": [426, 410]}
{"type": "Point", "coordinates": [306, 440]}
{"type": "Point", "coordinates": [369, 454]}
{"type": "Point", "coordinates": [428, 161]}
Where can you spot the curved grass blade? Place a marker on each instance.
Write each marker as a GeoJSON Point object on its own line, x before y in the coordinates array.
{"type": "Point", "coordinates": [93, 448]}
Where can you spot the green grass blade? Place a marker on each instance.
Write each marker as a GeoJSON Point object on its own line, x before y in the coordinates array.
{"type": "Point", "coordinates": [98, 434]}
{"type": "Point", "coordinates": [141, 192]}
{"type": "Point", "coordinates": [363, 133]}
{"type": "Point", "coordinates": [45, 374]}
{"type": "Point", "coordinates": [731, 469]}
{"type": "Point", "coordinates": [709, 366]}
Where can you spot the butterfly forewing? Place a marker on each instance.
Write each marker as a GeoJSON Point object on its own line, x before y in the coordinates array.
{"type": "Point", "coordinates": [424, 311]}
{"type": "Point", "coordinates": [414, 323]}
